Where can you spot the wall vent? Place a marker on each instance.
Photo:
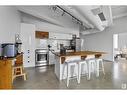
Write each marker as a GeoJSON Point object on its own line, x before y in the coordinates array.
{"type": "Point", "coordinates": [99, 12]}
{"type": "Point", "coordinates": [102, 17]}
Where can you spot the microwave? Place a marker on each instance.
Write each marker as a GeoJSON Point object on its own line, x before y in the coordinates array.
{"type": "Point", "coordinates": [9, 50]}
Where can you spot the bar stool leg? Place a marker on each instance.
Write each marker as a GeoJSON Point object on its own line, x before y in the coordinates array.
{"type": "Point", "coordinates": [68, 72]}
{"type": "Point", "coordinates": [25, 77]}
{"type": "Point", "coordinates": [13, 77]}
{"type": "Point", "coordinates": [79, 72]}
{"type": "Point", "coordinates": [97, 69]}
{"type": "Point", "coordinates": [63, 70]}
{"type": "Point", "coordinates": [89, 70]}
{"type": "Point", "coordinates": [103, 67]}
{"type": "Point", "coordinates": [86, 68]}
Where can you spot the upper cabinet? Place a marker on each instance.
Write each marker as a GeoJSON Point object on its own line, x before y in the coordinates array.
{"type": "Point", "coordinates": [59, 36]}
{"type": "Point", "coordinates": [41, 34]}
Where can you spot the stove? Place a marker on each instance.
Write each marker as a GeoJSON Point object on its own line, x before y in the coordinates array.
{"type": "Point", "coordinates": [41, 57]}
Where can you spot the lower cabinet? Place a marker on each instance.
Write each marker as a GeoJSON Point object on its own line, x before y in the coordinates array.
{"type": "Point", "coordinates": [6, 66]}
{"type": "Point", "coordinates": [5, 74]}
{"type": "Point", "coordinates": [51, 58]}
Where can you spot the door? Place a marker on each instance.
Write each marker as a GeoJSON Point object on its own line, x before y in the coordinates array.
{"type": "Point", "coordinates": [115, 45]}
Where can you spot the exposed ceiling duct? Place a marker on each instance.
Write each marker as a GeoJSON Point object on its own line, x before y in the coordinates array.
{"type": "Point", "coordinates": [92, 19]}
{"type": "Point", "coordinates": [87, 13]}
{"type": "Point", "coordinates": [78, 15]}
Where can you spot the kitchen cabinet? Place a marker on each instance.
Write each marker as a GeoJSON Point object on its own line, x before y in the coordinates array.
{"type": "Point", "coordinates": [6, 71]}
{"type": "Point", "coordinates": [5, 74]}
{"type": "Point", "coordinates": [41, 34]}
{"type": "Point", "coordinates": [51, 58]}
{"type": "Point", "coordinates": [28, 44]}
{"type": "Point", "coordinates": [61, 36]}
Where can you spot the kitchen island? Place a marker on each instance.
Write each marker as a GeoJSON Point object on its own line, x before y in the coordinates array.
{"type": "Point", "coordinates": [60, 59]}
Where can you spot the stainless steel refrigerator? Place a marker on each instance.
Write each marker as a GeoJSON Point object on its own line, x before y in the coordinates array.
{"type": "Point", "coordinates": [78, 45]}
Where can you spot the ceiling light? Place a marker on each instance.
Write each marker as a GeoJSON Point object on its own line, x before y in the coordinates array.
{"type": "Point", "coordinates": [54, 8]}
{"type": "Point", "coordinates": [63, 13]}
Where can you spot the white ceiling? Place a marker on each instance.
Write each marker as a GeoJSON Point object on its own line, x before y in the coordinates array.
{"type": "Point", "coordinates": [119, 11]}
{"type": "Point", "coordinates": [83, 13]}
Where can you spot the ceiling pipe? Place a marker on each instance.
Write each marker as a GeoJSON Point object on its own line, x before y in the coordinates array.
{"type": "Point", "coordinates": [87, 13]}
{"type": "Point", "coordinates": [78, 15]}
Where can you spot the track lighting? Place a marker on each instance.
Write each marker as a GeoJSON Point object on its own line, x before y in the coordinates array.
{"type": "Point", "coordinates": [74, 19]}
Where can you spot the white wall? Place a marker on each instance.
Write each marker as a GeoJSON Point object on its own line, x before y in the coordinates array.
{"type": "Point", "coordinates": [9, 23]}
{"type": "Point", "coordinates": [103, 41]}
{"type": "Point", "coordinates": [45, 26]}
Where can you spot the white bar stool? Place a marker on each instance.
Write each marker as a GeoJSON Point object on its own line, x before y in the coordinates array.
{"type": "Point", "coordinates": [69, 65]}
{"type": "Point", "coordinates": [73, 61]}
{"type": "Point", "coordinates": [81, 64]}
{"type": "Point", "coordinates": [99, 63]}
{"type": "Point", "coordinates": [91, 66]}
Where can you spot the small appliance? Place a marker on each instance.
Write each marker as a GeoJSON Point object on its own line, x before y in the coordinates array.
{"type": "Point", "coordinates": [9, 50]}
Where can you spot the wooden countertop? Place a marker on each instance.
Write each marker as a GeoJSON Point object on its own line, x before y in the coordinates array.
{"type": "Point", "coordinates": [4, 59]}
{"type": "Point", "coordinates": [80, 53]}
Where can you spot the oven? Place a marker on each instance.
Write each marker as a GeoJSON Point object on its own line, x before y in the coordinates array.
{"type": "Point", "coordinates": [41, 57]}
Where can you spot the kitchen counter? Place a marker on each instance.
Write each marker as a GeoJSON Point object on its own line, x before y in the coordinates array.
{"type": "Point", "coordinates": [81, 53]}
{"type": "Point", "coordinates": [60, 59]}
{"type": "Point", "coordinates": [6, 70]}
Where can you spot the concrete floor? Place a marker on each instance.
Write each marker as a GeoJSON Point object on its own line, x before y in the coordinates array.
{"type": "Point", "coordinates": [44, 78]}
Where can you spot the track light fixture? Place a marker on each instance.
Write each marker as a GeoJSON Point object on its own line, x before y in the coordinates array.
{"type": "Point", "coordinates": [65, 12]}
{"type": "Point", "coordinates": [54, 8]}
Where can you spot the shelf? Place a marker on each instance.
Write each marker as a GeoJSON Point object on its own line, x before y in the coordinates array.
{"type": "Point", "coordinates": [41, 34]}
